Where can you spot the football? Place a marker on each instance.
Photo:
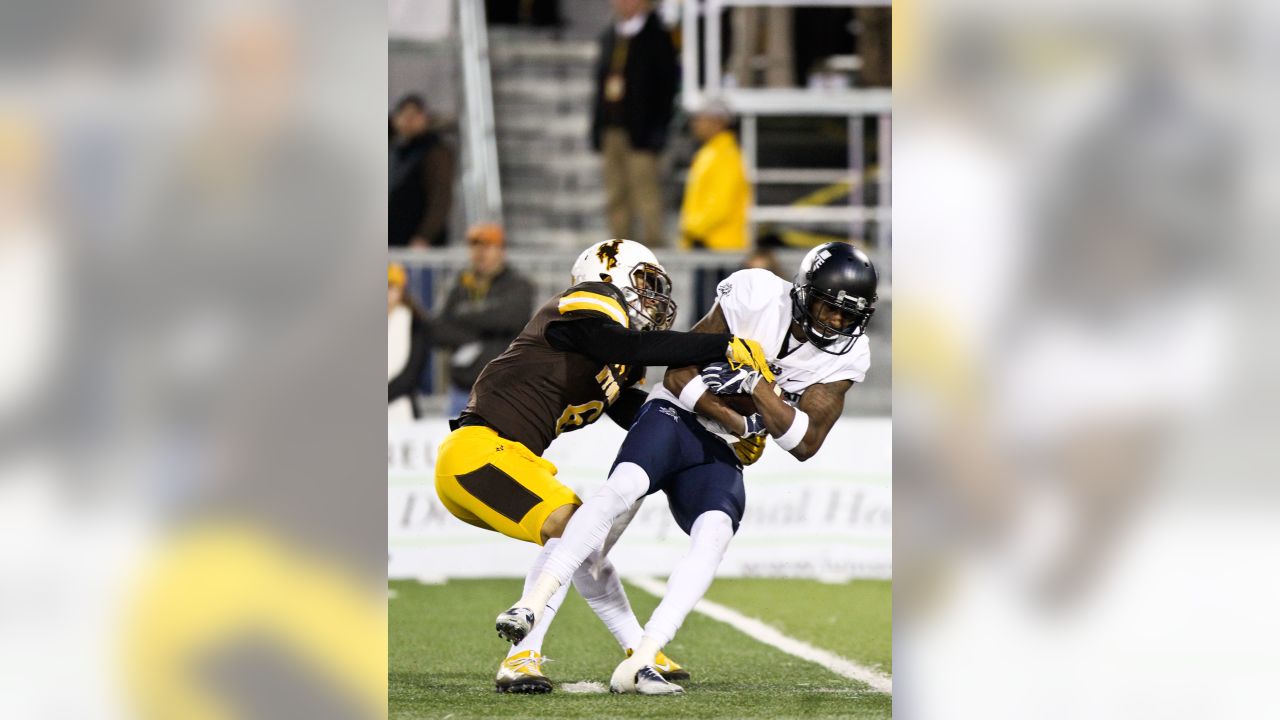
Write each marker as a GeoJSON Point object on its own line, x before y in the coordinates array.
{"type": "Point", "coordinates": [741, 403]}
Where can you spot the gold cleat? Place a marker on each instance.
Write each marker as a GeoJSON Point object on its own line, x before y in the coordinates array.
{"type": "Point", "coordinates": [669, 669]}
{"type": "Point", "coordinates": [522, 673]}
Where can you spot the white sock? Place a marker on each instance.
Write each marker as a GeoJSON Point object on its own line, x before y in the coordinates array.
{"type": "Point", "coordinates": [647, 651]}
{"type": "Point", "coordinates": [598, 583]}
{"type": "Point", "coordinates": [533, 641]}
{"type": "Point", "coordinates": [709, 538]}
{"type": "Point", "coordinates": [587, 530]}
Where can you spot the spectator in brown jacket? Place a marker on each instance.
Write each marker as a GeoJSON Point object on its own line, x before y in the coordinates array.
{"type": "Point", "coordinates": [486, 309]}
{"type": "Point", "coordinates": [421, 178]}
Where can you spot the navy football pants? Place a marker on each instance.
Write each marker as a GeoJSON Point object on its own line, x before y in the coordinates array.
{"type": "Point", "coordinates": [696, 469]}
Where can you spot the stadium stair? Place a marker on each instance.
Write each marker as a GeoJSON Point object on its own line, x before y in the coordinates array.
{"type": "Point", "coordinates": [551, 180]}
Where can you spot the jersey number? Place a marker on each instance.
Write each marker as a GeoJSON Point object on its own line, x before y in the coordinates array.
{"type": "Point", "coordinates": [608, 384]}
{"type": "Point", "coordinates": [575, 416]}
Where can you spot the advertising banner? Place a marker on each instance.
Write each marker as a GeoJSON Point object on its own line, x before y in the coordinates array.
{"type": "Point", "coordinates": [827, 518]}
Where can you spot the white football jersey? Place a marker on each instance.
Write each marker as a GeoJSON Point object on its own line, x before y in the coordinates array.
{"type": "Point", "coordinates": [757, 305]}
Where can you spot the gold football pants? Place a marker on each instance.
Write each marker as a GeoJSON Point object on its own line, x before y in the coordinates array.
{"type": "Point", "coordinates": [498, 484]}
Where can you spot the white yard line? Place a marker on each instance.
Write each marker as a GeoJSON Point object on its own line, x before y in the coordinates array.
{"type": "Point", "coordinates": [772, 637]}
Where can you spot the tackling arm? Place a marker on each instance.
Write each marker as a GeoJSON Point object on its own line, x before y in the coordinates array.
{"type": "Point", "coordinates": [610, 343]}
{"type": "Point", "coordinates": [709, 405]}
{"type": "Point", "coordinates": [594, 323]}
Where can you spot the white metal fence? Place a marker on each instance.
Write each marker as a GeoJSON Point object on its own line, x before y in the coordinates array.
{"type": "Point", "coordinates": [861, 107]}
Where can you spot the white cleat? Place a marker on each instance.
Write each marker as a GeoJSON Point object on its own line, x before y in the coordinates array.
{"type": "Point", "coordinates": [514, 624]}
{"type": "Point", "coordinates": [644, 681]}
{"type": "Point", "coordinates": [650, 682]}
{"type": "Point", "coordinates": [624, 676]}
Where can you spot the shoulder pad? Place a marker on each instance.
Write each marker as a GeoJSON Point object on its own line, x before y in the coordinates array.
{"type": "Point", "coordinates": [598, 299]}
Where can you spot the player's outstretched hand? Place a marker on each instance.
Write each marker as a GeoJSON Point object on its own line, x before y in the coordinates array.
{"type": "Point", "coordinates": [725, 379]}
{"type": "Point", "coordinates": [749, 449]}
{"type": "Point", "coordinates": [745, 352]}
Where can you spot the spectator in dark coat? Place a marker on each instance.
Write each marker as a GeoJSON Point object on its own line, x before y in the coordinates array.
{"type": "Point", "coordinates": [421, 184]}
{"type": "Point", "coordinates": [635, 90]}
{"type": "Point", "coordinates": [486, 309]}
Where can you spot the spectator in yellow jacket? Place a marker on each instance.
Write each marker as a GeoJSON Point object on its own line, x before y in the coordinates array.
{"type": "Point", "coordinates": [714, 214]}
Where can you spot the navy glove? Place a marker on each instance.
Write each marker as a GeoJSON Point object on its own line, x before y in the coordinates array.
{"type": "Point", "coordinates": [755, 425]}
{"type": "Point", "coordinates": [722, 379]}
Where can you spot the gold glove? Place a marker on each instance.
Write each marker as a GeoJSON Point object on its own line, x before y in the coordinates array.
{"type": "Point", "coordinates": [749, 449]}
{"type": "Point", "coordinates": [745, 351]}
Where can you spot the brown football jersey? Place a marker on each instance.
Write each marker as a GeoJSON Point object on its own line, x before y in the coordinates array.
{"type": "Point", "coordinates": [532, 392]}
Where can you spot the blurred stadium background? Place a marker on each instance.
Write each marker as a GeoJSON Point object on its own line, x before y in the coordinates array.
{"type": "Point", "coordinates": [513, 97]}
{"type": "Point", "coordinates": [512, 94]}
{"type": "Point", "coordinates": [191, 473]}
{"type": "Point", "coordinates": [515, 101]}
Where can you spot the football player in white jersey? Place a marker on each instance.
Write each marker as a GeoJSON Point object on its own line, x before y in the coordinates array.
{"type": "Point", "coordinates": [690, 440]}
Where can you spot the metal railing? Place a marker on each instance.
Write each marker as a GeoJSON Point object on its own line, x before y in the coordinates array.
{"type": "Point", "coordinates": [432, 273]}
{"type": "Point", "coordinates": [694, 277]}
{"type": "Point", "coordinates": [859, 105]}
{"type": "Point", "coordinates": [482, 192]}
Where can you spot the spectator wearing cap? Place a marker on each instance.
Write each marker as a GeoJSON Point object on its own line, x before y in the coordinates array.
{"type": "Point", "coordinates": [421, 183]}
{"type": "Point", "coordinates": [407, 347]}
{"type": "Point", "coordinates": [714, 213]}
{"type": "Point", "coordinates": [487, 307]}
{"type": "Point", "coordinates": [635, 92]}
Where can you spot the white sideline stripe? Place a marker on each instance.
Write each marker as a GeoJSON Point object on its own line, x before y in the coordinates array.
{"type": "Point", "coordinates": [774, 638]}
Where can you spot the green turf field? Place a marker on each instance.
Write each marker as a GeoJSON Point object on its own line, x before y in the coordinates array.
{"type": "Point", "coordinates": [443, 654]}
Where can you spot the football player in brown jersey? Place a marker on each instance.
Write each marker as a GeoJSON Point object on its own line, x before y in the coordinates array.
{"type": "Point", "coordinates": [579, 358]}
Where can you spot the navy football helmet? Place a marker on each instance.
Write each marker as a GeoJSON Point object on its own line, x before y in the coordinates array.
{"type": "Point", "coordinates": [834, 296]}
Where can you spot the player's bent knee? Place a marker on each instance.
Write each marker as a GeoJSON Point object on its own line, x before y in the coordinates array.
{"type": "Point", "coordinates": [629, 481]}
{"type": "Point", "coordinates": [556, 522]}
{"type": "Point", "coordinates": [712, 529]}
